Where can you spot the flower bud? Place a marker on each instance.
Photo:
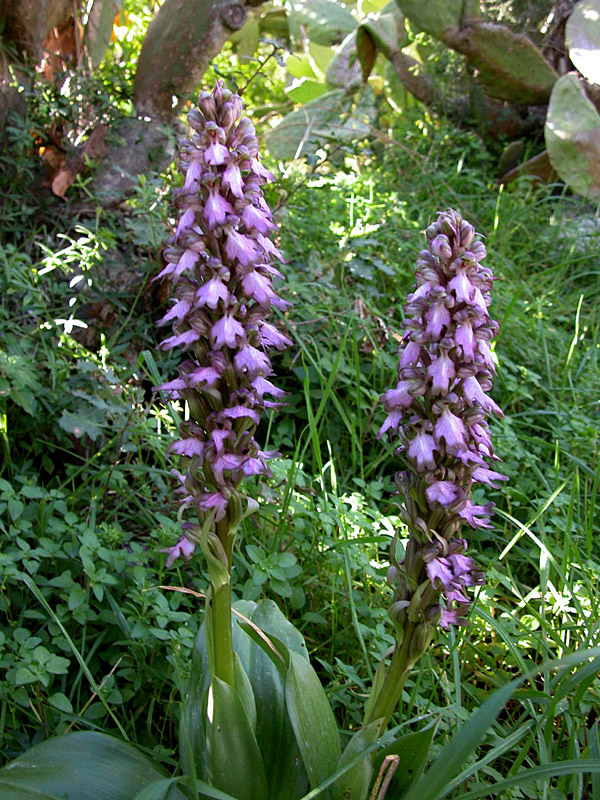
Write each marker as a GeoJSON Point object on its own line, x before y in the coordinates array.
{"type": "Point", "coordinates": [391, 576]}
{"type": "Point", "coordinates": [440, 247]}
{"type": "Point", "coordinates": [420, 641]}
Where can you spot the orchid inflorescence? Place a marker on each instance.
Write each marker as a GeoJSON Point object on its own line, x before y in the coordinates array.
{"type": "Point", "coordinates": [219, 264]}
{"type": "Point", "coordinates": [438, 410]}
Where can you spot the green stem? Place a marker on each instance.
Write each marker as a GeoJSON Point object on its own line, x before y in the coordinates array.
{"type": "Point", "coordinates": [221, 631]}
{"type": "Point", "coordinates": [388, 697]}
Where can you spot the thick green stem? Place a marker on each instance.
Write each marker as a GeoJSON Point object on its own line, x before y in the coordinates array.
{"type": "Point", "coordinates": [221, 631]}
{"type": "Point", "coordinates": [400, 667]}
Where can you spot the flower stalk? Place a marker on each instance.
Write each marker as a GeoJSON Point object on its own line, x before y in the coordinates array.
{"type": "Point", "coordinates": [219, 264]}
{"type": "Point", "coordinates": [438, 413]}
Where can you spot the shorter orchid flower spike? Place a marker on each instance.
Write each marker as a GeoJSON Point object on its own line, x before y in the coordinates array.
{"type": "Point", "coordinates": [439, 411]}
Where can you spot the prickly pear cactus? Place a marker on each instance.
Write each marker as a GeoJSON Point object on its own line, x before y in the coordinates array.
{"type": "Point", "coordinates": [330, 119]}
{"type": "Point", "coordinates": [386, 29]}
{"type": "Point", "coordinates": [325, 22]}
{"type": "Point", "coordinates": [572, 134]}
{"type": "Point", "coordinates": [344, 68]}
{"type": "Point", "coordinates": [510, 65]}
{"type": "Point", "coordinates": [437, 18]}
{"type": "Point", "coordinates": [582, 37]}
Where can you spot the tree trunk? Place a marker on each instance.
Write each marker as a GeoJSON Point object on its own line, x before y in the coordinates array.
{"type": "Point", "coordinates": [28, 22]}
{"type": "Point", "coordinates": [182, 39]}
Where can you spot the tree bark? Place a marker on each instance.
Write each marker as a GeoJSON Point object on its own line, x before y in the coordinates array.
{"type": "Point", "coordinates": [28, 22]}
{"type": "Point", "coordinates": [182, 39]}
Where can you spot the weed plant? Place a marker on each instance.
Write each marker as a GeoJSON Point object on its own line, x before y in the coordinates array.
{"type": "Point", "coordinates": [92, 641]}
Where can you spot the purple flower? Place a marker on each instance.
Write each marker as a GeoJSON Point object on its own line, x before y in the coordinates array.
{"type": "Point", "coordinates": [399, 397]}
{"type": "Point", "coordinates": [256, 218]}
{"type": "Point", "coordinates": [227, 331]}
{"type": "Point", "coordinates": [241, 248]}
{"type": "Point", "coordinates": [441, 370]}
{"type": "Point", "coordinates": [421, 450]}
{"type": "Point", "coordinates": [438, 412]}
{"type": "Point", "coordinates": [252, 362]}
{"type": "Point", "coordinates": [218, 262]}
{"type": "Point", "coordinates": [182, 549]}
{"type": "Point", "coordinates": [442, 492]}
{"type": "Point", "coordinates": [232, 178]}
{"type": "Point", "coordinates": [216, 154]}
{"type": "Point", "coordinates": [216, 208]}
{"type": "Point", "coordinates": [474, 394]}
{"type": "Point", "coordinates": [178, 312]}
{"type": "Point", "coordinates": [258, 287]}
{"type": "Point", "coordinates": [211, 292]}
{"type": "Point", "coordinates": [186, 447]}
{"type": "Point", "coordinates": [451, 429]}
{"type": "Point", "coordinates": [272, 337]}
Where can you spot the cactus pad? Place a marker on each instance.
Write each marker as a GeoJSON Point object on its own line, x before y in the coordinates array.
{"type": "Point", "coordinates": [572, 134]}
{"type": "Point", "coordinates": [510, 65]}
{"type": "Point", "coordinates": [436, 18]}
{"type": "Point", "coordinates": [324, 22]}
{"type": "Point", "coordinates": [344, 68]}
{"type": "Point", "coordinates": [582, 38]}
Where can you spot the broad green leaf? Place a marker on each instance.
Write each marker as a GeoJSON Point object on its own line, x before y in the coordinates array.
{"type": "Point", "coordinates": [303, 90]}
{"type": "Point", "coordinates": [370, 6]}
{"type": "Point", "coordinates": [510, 66]}
{"type": "Point", "coordinates": [275, 23]}
{"type": "Point", "coordinates": [325, 22]}
{"type": "Point", "coordinates": [246, 40]}
{"type": "Point", "coordinates": [255, 553]}
{"type": "Point", "coordinates": [159, 790]}
{"type": "Point", "coordinates": [312, 719]}
{"type": "Point", "coordinates": [86, 421]}
{"type": "Point", "coordinates": [274, 733]}
{"type": "Point", "coordinates": [322, 790]}
{"type": "Point", "coordinates": [582, 37]}
{"type": "Point", "coordinates": [233, 762]}
{"type": "Point", "coordinates": [320, 58]}
{"type": "Point", "coordinates": [298, 65]}
{"type": "Point", "coordinates": [572, 133]}
{"type": "Point", "coordinates": [387, 30]}
{"type": "Point", "coordinates": [244, 691]}
{"type": "Point", "coordinates": [595, 753]}
{"type": "Point", "coordinates": [413, 749]}
{"type": "Point", "coordinates": [377, 683]}
{"type": "Point", "coordinates": [191, 724]}
{"type": "Point", "coordinates": [269, 619]}
{"type": "Point", "coordinates": [354, 784]}
{"type": "Point", "coordinates": [80, 766]}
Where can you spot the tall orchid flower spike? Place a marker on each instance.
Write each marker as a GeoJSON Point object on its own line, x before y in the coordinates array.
{"type": "Point", "coordinates": [438, 414]}
{"type": "Point", "coordinates": [218, 262]}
